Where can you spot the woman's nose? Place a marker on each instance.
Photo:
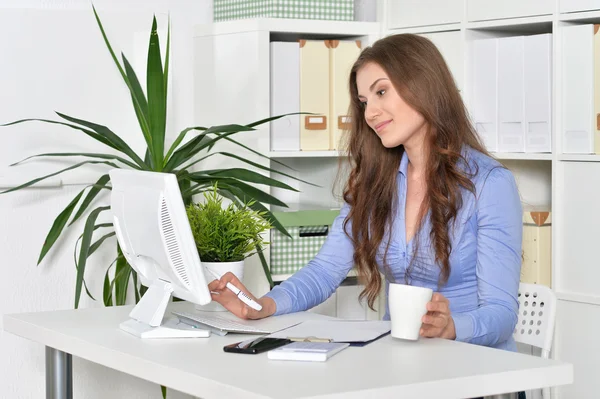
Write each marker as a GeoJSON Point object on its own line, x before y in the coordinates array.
{"type": "Point", "coordinates": [372, 112]}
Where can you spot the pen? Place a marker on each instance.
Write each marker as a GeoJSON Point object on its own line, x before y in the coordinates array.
{"type": "Point", "coordinates": [240, 294]}
{"type": "Point", "coordinates": [309, 339]}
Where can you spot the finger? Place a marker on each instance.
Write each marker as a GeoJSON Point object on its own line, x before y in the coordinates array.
{"type": "Point", "coordinates": [439, 307]}
{"type": "Point", "coordinates": [214, 285]}
{"type": "Point", "coordinates": [430, 332]}
{"type": "Point", "coordinates": [435, 319]}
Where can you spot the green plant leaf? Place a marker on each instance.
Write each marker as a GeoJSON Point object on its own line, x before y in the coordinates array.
{"type": "Point", "coordinates": [265, 267]}
{"type": "Point", "coordinates": [163, 390]}
{"type": "Point", "coordinates": [192, 147]}
{"type": "Point", "coordinates": [155, 84]}
{"type": "Point", "coordinates": [245, 175]}
{"type": "Point", "coordinates": [178, 141]}
{"type": "Point", "coordinates": [99, 242]}
{"type": "Point", "coordinates": [138, 97]}
{"type": "Point", "coordinates": [257, 206]}
{"type": "Point", "coordinates": [83, 154]}
{"type": "Point", "coordinates": [256, 152]}
{"type": "Point", "coordinates": [90, 197]}
{"type": "Point", "coordinates": [90, 133]}
{"type": "Point", "coordinates": [123, 271]}
{"type": "Point", "coordinates": [144, 123]}
{"type": "Point", "coordinates": [57, 227]}
{"type": "Point", "coordinates": [85, 247]}
{"type": "Point", "coordinates": [167, 57]}
{"type": "Point", "coordinates": [259, 166]}
{"type": "Point", "coordinates": [109, 135]}
{"type": "Point", "coordinates": [136, 290]}
{"type": "Point", "coordinates": [109, 285]}
{"type": "Point", "coordinates": [95, 247]}
{"type": "Point", "coordinates": [250, 191]}
{"type": "Point", "coordinates": [32, 182]}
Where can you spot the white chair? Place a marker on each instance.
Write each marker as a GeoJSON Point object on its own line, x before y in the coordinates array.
{"type": "Point", "coordinates": [537, 314]}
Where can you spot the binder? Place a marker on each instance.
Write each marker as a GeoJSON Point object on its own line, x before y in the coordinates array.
{"type": "Point", "coordinates": [596, 120]}
{"type": "Point", "coordinates": [538, 97]}
{"type": "Point", "coordinates": [578, 89]}
{"type": "Point", "coordinates": [342, 55]}
{"type": "Point", "coordinates": [485, 91]}
{"type": "Point", "coordinates": [511, 127]}
{"type": "Point", "coordinates": [285, 95]}
{"type": "Point", "coordinates": [537, 248]}
{"type": "Point", "coordinates": [314, 95]}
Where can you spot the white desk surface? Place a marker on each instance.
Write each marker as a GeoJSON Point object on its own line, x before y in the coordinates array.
{"type": "Point", "coordinates": [386, 368]}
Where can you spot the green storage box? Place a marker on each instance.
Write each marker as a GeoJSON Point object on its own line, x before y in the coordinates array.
{"type": "Point", "coordinates": [338, 10]}
{"type": "Point", "coordinates": [308, 229]}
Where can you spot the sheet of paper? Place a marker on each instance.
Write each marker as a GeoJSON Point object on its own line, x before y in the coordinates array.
{"type": "Point", "coordinates": [336, 330]}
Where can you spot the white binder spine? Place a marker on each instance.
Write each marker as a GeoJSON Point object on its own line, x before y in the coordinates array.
{"type": "Point", "coordinates": [538, 88]}
{"type": "Point", "coordinates": [485, 90]}
{"type": "Point", "coordinates": [578, 89]}
{"type": "Point", "coordinates": [511, 127]}
{"type": "Point", "coordinates": [285, 95]}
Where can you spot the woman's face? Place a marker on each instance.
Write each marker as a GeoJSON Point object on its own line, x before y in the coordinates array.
{"type": "Point", "coordinates": [390, 117]}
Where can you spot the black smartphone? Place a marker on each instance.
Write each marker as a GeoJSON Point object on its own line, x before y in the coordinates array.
{"type": "Point", "coordinates": [257, 345]}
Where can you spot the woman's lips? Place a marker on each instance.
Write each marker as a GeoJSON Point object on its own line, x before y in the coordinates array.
{"type": "Point", "coordinates": [382, 125]}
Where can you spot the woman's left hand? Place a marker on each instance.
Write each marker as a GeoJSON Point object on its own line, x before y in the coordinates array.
{"type": "Point", "coordinates": [438, 321]}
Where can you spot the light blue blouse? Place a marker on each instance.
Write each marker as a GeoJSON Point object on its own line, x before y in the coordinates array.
{"type": "Point", "coordinates": [485, 259]}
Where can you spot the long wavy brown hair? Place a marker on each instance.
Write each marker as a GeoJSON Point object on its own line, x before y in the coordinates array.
{"type": "Point", "coordinates": [421, 77]}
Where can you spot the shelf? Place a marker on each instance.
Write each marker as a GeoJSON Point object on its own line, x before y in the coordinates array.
{"type": "Point", "coordinates": [291, 26]}
{"type": "Point", "coordinates": [427, 29]}
{"type": "Point", "coordinates": [586, 17]}
{"type": "Point", "coordinates": [283, 277]}
{"type": "Point", "coordinates": [579, 157]}
{"type": "Point", "coordinates": [580, 298]}
{"type": "Point", "coordinates": [304, 154]}
{"type": "Point", "coordinates": [536, 24]}
{"type": "Point", "coordinates": [522, 156]}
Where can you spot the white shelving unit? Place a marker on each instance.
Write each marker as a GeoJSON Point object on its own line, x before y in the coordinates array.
{"type": "Point", "coordinates": [232, 85]}
{"type": "Point", "coordinates": [570, 183]}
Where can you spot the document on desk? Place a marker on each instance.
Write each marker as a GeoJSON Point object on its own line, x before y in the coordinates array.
{"type": "Point", "coordinates": [356, 333]}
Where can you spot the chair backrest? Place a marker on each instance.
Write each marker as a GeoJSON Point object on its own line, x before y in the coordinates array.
{"type": "Point", "coordinates": [537, 313]}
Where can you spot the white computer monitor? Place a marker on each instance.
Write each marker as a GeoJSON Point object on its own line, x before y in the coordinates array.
{"type": "Point", "coordinates": [155, 237]}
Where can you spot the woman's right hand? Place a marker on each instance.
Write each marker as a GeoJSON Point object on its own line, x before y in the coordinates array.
{"type": "Point", "coordinates": [223, 295]}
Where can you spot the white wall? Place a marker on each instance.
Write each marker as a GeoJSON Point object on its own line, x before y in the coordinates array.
{"type": "Point", "coordinates": [52, 57]}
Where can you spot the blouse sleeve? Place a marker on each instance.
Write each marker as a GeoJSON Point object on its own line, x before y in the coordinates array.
{"type": "Point", "coordinates": [499, 240]}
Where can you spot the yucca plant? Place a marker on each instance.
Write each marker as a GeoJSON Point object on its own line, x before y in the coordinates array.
{"type": "Point", "coordinates": [151, 111]}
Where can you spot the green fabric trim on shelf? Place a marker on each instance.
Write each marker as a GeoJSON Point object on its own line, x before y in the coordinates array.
{"type": "Point", "coordinates": [340, 10]}
{"type": "Point", "coordinates": [323, 217]}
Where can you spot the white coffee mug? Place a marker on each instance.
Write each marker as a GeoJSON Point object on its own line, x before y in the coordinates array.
{"type": "Point", "coordinates": [407, 306]}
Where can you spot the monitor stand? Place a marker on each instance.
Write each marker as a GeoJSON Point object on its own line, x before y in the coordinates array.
{"type": "Point", "coordinates": [147, 316]}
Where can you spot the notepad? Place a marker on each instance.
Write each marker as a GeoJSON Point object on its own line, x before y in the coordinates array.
{"type": "Point", "coordinates": [307, 351]}
{"type": "Point", "coordinates": [350, 331]}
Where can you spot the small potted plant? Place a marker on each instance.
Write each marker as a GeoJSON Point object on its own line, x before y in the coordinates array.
{"type": "Point", "coordinates": [225, 235]}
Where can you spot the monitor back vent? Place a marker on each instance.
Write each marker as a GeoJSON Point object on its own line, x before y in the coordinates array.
{"type": "Point", "coordinates": [170, 240]}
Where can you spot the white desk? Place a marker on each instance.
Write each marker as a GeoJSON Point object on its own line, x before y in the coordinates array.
{"type": "Point", "coordinates": [387, 368]}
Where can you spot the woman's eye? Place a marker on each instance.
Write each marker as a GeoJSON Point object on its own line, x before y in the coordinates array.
{"type": "Point", "coordinates": [381, 92]}
{"type": "Point", "coordinates": [363, 104]}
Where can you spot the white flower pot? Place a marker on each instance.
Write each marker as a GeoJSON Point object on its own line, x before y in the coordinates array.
{"type": "Point", "coordinates": [220, 268]}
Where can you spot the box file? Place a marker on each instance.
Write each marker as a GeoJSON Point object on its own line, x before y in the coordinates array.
{"type": "Point", "coordinates": [578, 89]}
{"type": "Point", "coordinates": [511, 127]}
{"type": "Point", "coordinates": [342, 55]}
{"type": "Point", "coordinates": [309, 230]}
{"type": "Point", "coordinates": [537, 248]}
{"type": "Point", "coordinates": [537, 74]}
{"type": "Point", "coordinates": [485, 91]}
{"type": "Point", "coordinates": [285, 95]}
{"type": "Point", "coordinates": [314, 95]}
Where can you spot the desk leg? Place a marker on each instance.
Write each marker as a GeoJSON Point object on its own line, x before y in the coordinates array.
{"type": "Point", "coordinates": [59, 374]}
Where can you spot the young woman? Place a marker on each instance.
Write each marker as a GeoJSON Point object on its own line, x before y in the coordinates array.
{"type": "Point", "coordinates": [424, 205]}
